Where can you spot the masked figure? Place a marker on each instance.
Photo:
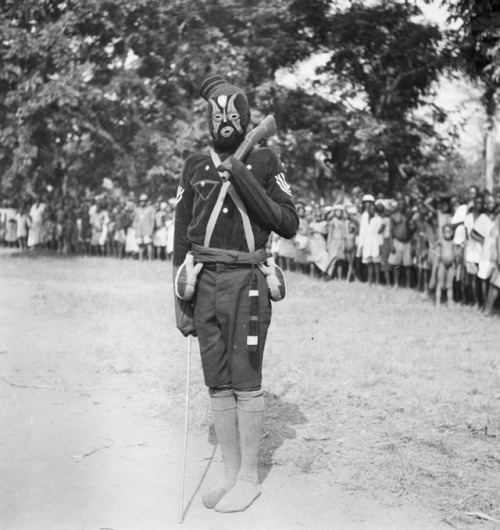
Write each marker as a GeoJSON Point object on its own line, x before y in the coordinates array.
{"type": "Point", "coordinates": [221, 233]}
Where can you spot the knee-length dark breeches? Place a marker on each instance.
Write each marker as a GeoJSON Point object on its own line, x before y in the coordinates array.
{"type": "Point", "coordinates": [221, 319]}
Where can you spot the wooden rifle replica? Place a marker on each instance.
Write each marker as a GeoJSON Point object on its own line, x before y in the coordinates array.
{"type": "Point", "coordinates": [265, 129]}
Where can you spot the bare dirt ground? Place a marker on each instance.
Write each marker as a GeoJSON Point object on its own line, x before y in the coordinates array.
{"type": "Point", "coordinates": [382, 412]}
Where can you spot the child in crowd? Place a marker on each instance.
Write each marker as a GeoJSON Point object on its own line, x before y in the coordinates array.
{"type": "Point", "coordinates": [444, 250]}
{"type": "Point", "coordinates": [370, 252]}
{"type": "Point", "coordinates": [10, 225]}
{"type": "Point", "coordinates": [352, 232]}
{"type": "Point", "coordinates": [84, 229]}
{"type": "Point", "coordinates": [401, 236]}
{"type": "Point", "coordinates": [143, 224]}
{"type": "Point", "coordinates": [319, 254]}
{"type": "Point", "coordinates": [472, 250]}
{"type": "Point", "coordinates": [50, 231]}
{"type": "Point", "coordinates": [131, 245]}
{"type": "Point", "coordinates": [364, 220]}
{"type": "Point", "coordinates": [160, 231]}
{"type": "Point", "coordinates": [69, 231]}
{"type": "Point", "coordinates": [37, 215]}
{"type": "Point", "coordinates": [335, 242]}
{"type": "Point", "coordinates": [110, 233]}
{"type": "Point", "coordinates": [120, 226]}
{"type": "Point", "coordinates": [385, 246]}
{"type": "Point", "coordinates": [302, 242]}
{"type": "Point", "coordinates": [482, 233]}
{"type": "Point", "coordinates": [99, 219]}
{"type": "Point", "coordinates": [442, 213]}
{"type": "Point", "coordinates": [59, 215]}
{"type": "Point", "coordinates": [459, 212]}
{"type": "Point", "coordinates": [424, 238]}
{"type": "Point", "coordinates": [494, 287]}
{"type": "Point", "coordinates": [22, 219]}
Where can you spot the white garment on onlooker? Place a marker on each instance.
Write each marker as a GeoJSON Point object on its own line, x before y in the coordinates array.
{"type": "Point", "coordinates": [170, 235]}
{"type": "Point", "coordinates": [319, 253]}
{"type": "Point", "coordinates": [363, 230]}
{"type": "Point", "coordinates": [373, 240]}
{"type": "Point", "coordinates": [35, 236]}
{"type": "Point", "coordinates": [10, 225]}
{"type": "Point", "coordinates": [131, 246]}
{"type": "Point", "coordinates": [472, 247]}
{"type": "Point", "coordinates": [22, 225]}
{"type": "Point", "coordinates": [460, 214]}
{"type": "Point", "coordinates": [484, 227]}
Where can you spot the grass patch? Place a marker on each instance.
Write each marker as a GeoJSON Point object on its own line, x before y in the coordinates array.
{"type": "Point", "coordinates": [391, 395]}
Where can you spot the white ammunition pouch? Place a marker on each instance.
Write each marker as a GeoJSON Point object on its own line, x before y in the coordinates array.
{"type": "Point", "coordinates": [185, 279]}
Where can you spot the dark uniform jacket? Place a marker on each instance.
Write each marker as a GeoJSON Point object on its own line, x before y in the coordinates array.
{"type": "Point", "coordinates": [262, 186]}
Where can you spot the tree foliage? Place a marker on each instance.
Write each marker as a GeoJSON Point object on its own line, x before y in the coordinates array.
{"type": "Point", "coordinates": [478, 37]}
{"type": "Point", "coordinates": [478, 43]}
{"type": "Point", "coordinates": [382, 56]}
{"type": "Point", "coordinates": [109, 89]}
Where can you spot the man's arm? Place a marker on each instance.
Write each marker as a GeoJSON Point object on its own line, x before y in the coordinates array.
{"type": "Point", "coordinates": [184, 312]}
{"type": "Point", "coordinates": [428, 203]}
{"type": "Point", "coordinates": [182, 218]}
{"type": "Point", "coordinates": [272, 206]}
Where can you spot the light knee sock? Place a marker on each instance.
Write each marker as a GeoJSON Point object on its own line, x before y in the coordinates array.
{"type": "Point", "coordinates": [225, 418]}
{"type": "Point", "coordinates": [247, 487]}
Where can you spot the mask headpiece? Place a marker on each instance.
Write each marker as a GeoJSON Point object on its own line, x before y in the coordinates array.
{"type": "Point", "coordinates": [228, 111]}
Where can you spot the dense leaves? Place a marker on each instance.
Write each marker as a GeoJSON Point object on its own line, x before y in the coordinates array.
{"type": "Point", "coordinates": [390, 61]}
{"type": "Point", "coordinates": [109, 89]}
{"type": "Point", "coordinates": [477, 40]}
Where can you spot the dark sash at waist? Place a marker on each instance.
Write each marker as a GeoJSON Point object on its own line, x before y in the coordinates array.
{"type": "Point", "coordinates": [203, 254]}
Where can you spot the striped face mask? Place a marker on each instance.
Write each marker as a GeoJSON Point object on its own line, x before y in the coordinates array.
{"type": "Point", "coordinates": [228, 120]}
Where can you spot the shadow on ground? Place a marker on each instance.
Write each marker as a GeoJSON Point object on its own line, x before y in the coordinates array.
{"type": "Point", "coordinates": [280, 418]}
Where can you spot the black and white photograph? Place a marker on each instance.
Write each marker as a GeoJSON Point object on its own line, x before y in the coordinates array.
{"type": "Point", "coordinates": [249, 264]}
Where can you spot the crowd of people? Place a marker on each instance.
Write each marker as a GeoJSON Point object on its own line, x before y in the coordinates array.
{"type": "Point", "coordinates": [447, 246]}
{"type": "Point", "coordinates": [102, 225]}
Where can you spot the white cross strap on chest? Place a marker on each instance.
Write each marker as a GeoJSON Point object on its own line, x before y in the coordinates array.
{"type": "Point", "coordinates": [225, 189]}
{"type": "Point", "coordinates": [215, 213]}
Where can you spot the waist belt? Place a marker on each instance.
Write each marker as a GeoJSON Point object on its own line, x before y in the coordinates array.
{"type": "Point", "coordinates": [203, 254]}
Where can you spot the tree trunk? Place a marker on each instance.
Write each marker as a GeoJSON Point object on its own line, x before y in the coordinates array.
{"type": "Point", "coordinates": [393, 174]}
{"type": "Point", "coordinates": [491, 131]}
{"type": "Point", "coordinates": [489, 162]}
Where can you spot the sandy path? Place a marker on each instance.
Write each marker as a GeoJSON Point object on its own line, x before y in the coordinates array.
{"type": "Point", "coordinates": [78, 455]}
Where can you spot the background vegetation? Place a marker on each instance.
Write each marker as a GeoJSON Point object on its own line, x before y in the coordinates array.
{"type": "Point", "coordinates": [109, 89]}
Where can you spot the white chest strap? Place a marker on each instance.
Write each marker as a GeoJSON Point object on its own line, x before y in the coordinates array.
{"type": "Point", "coordinates": [225, 189]}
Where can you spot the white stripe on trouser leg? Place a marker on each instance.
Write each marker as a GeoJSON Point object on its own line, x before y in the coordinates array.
{"type": "Point", "coordinates": [252, 340]}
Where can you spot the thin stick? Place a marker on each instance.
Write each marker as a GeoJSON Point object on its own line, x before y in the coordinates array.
{"type": "Point", "coordinates": [44, 387]}
{"type": "Point", "coordinates": [186, 426]}
{"type": "Point", "coordinates": [37, 387]}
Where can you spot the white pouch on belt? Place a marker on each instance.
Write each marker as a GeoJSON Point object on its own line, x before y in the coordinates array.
{"type": "Point", "coordinates": [185, 279]}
